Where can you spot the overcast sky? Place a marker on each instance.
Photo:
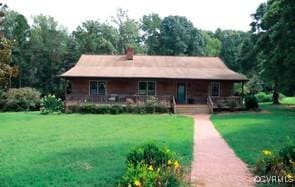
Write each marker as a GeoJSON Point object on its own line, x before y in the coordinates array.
{"type": "Point", "coordinates": [205, 14]}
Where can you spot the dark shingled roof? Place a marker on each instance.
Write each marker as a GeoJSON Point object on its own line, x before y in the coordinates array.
{"type": "Point", "coordinates": [168, 67]}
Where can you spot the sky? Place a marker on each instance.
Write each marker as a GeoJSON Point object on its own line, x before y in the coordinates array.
{"type": "Point", "coordinates": [205, 14]}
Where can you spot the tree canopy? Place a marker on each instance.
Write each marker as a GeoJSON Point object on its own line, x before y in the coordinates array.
{"type": "Point", "coordinates": [273, 28]}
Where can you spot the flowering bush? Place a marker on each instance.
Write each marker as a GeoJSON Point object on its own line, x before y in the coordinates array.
{"type": "Point", "coordinates": [51, 104]}
{"type": "Point", "coordinates": [280, 163]}
{"type": "Point", "coordinates": [150, 165]}
{"type": "Point", "coordinates": [149, 154]}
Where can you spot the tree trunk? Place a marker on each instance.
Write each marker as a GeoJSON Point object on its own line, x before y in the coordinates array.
{"type": "Point", "coordinates": [275, 96]}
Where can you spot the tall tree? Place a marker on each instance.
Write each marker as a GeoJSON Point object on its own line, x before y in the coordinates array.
{"type": "Point", "coordinates": [274, 27]}
{"type": "Point", "coordinates": [48, 47]}
{"type": "Point", "coordinates": [212, 44]}
{"type": "Point", "coordinates": [129, 32]}
{"type": "Point", "coordinates": [17, 30]}
{"type": "Point", "coordinates": [93, 37]}
{"type": "Point", "coordinates": [150, 25]}
{"type": "Point", "coordinates": [6, 70]}
{"type": "Point", "coordinates": [179, 37]}
{"type": "Point", "coordinates": [231, 42]}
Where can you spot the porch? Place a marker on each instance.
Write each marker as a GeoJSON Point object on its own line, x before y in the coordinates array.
{"type": "Point", "coordinates": [194, 104]}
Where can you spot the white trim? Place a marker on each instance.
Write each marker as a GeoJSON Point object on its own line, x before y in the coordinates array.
{"type": "Point", "coordinates": [97, 80]}
{"type": "Point", "coordinates": [147, 81]}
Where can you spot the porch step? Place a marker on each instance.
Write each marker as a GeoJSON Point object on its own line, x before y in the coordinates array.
{"type": "Point", "coordinates": [192, 109]}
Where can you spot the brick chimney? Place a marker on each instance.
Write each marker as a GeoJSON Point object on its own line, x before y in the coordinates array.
{"type": "Point", "coordinates": [129, 53]}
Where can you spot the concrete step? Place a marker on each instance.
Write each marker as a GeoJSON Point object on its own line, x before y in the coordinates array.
{"type": "Point", "coordinates": [192, 109]}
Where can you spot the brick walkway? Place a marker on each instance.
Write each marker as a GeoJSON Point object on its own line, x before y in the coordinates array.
{"type": "Point", "coordinates": [215, 164]}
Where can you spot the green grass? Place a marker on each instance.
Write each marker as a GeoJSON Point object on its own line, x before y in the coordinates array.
{"type": "Point", "coordinates": [82, 150]}
{"type": "Point", "coordinates": [248, 133]}
{"type": "Point", "coordinates": [288, 100]}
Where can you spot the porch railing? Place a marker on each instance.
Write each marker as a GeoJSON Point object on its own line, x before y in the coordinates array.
{"type": "Point", "coordinates": [74, 99]}
{"type": "Point", "coordinates": [229, 102]}
{"type": "Point", "coordinates": [173, 104]}
{"type": "Point", "coordinates": [210, 104]}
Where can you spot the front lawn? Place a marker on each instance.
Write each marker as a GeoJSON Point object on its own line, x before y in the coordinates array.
{"type": "Point", "coordinates": [248, 133]}
{"type": "Point", "coordinates": [81, 150]}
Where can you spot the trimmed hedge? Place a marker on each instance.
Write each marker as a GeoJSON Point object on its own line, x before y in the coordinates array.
{"type": "Point", "coordinates": [117, 109]}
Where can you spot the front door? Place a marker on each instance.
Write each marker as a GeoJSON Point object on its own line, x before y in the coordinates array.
{"type": "Point", "coordinates": [181, 93]}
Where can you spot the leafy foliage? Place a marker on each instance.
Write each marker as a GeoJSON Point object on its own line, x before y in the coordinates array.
{"type": "Point", "coordinates": [6, 70]}
{"type": "Point", "coordinates": [273, 28]}
{"type": "Point", "coordinates": [20, 99]}
{"type": "Point", "coordinates": [93, 37]}
{"type": "Point", "coordinates": [263, 97]}
{"type": "Point", "coordinates": [150, 165]}
{"type": "Point", "coordinates": [118, 109]}
{"type": "Point", "coordinates": [251, 102]}
{"type": "Point", "coordinates": [149, 154]}
{"type": "Point", "coordinates": [50, 104]}
{"type": "Point", "coordinates": [231, 44]}
{"type": "Point", "coordinates": [179, 37]}
{"type": "Point", "coordinates": [279, 164]}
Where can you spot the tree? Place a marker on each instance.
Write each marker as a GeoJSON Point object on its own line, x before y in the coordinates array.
{"type": "Point", "coordinates": [48, 46]}
{"type": "Point", "coordinates": [231, 42]}
{"type": "Point", "coordinates": [17, 30]}
{"type": "Point", "coordinates": [246, 58]}
{"type": "Point", "coordinates": [6, 71]}
{"type": "Point", "coordinates": [93, 37]}
{"type": "Point", "coordinates": [129, 35]}
{"type": "Point", "coordinates": [274, 28]}
{"type": "Point", "coordinates": [212, 44]}
{"type": "Point", "coordinates": [179, 37]}
{"type": "Point", "coordinates": [150, 25]}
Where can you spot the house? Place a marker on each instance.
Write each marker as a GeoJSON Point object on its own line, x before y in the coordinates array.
{"type": "Point", "coordinates": [185, 84]}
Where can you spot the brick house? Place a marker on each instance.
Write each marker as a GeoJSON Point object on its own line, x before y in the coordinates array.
{"type": "Point", "coordinates": [186, 84]}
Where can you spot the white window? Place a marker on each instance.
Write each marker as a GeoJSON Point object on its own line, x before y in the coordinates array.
{"type": "Point", "coordinates": [215, 88]}
{"type": "Point", "coordinates": [146, 88]}
{"type": "Point", "coordinates": [97, 88]}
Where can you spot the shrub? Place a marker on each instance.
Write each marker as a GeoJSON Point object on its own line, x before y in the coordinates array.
{"type": "Point", "coordinates": [51, 104]}
{"type": "Point", "coordinates": [149, 154]}
{"type": "Point", "coordinates": [150, 165]}
{"type": "Point", "coordinates": [263, 97]}
{"type": "Point", "coordinates": [251, 102]}
{"type": "Point", "coordinates": [287, 153]}
{"type": "Point", "coordinates": [20, 99]}
{"type": "Point", "coordinates": [116, 109]}
{"type": "Point", "coordinates": [280, 163]}
{"type": "Point", "coordinates": [102, 109]}
{"type": "Point", "coordinates": [161, 109]}
{"type": "Point", "coordinates": [87, 109]}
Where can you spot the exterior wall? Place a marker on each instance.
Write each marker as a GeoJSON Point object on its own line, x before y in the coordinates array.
{"type": "Point", "coordinates": [227, 88]}
{"type": "Point", "coordinates": [194, 88]}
